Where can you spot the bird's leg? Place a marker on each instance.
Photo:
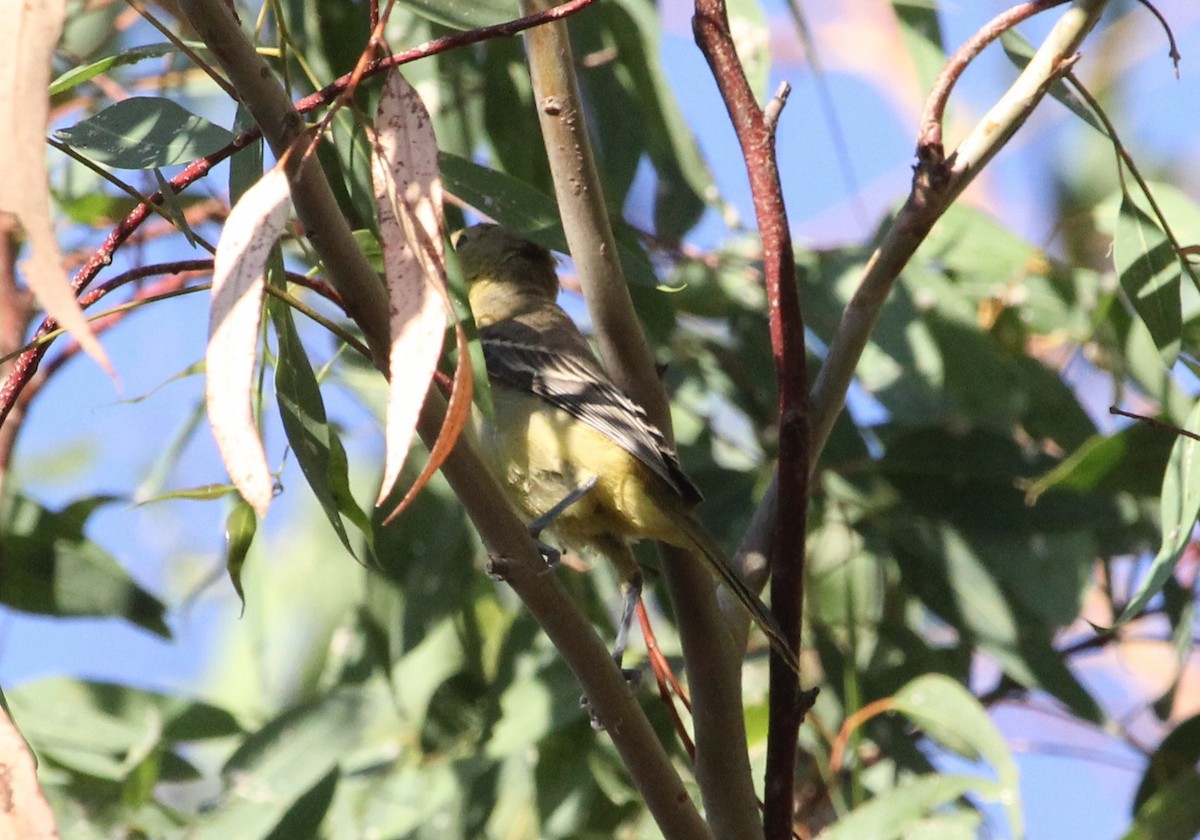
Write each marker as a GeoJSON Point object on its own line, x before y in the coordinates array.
{"type": "Point", "coordinates": [631, 593]}
{"type": "Point", "coordinates": [547, 519]}
{"type": "Point", "coordinates": [544, 521]}
{"type": "Point", "coordinates": [629, 573]}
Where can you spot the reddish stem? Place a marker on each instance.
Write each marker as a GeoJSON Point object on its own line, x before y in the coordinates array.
{"type": "Point", "coordinates": [755, 129]}
{"type": "Point", "coordinates": [667, 682]}
{"type": "Point", "coordinates": [929, 138]}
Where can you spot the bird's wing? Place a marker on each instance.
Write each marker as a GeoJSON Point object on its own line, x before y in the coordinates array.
{"type": "Point", "coordinates": [573, 381]}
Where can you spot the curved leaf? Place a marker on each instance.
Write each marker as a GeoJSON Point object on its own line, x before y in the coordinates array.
{"type": "Point", "coordinates": [51, 568]}
{"type": "Point", "coordinates": [408, 195]}
{"type": "Point", "coordinates": [895, 812]}
{"type": "Point", "coordinates": [1180, 507]}
{"type": "Point", "coordinates": [27, 39]}
{"type": "Point", "coordinates": [952, 716]}
{"type": "Point", "coordinates": [1150, 274]}
{"type": "Point", "coordinates": [250, 233]}
{"type": "Point", "coordinates": [144, 132]}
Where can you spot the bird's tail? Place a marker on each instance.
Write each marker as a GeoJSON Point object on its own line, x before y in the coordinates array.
{"type": "Point", "coordinates": [705, 545]}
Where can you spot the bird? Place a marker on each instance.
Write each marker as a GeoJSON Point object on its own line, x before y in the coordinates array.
{"type": "Point", "coordinates": [565, 443]}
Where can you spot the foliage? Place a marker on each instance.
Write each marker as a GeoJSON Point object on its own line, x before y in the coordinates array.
{"type": "Point", "coordinates": [975, 524]}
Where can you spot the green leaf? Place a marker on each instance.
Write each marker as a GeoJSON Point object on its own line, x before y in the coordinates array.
{"type": "Point", "coordinates": [956, 825]}
{"type": "Point", "coordinates": [79, 75]}
{"type": "Point", "coordinates": [1171, 814]}
{"type": "Point", "coordinates": [459, 15]}
{"type": "Point", "coordinates": [510, 115]}
{"type": "Point", "coordinates": [510, 202]}
{"type": "Point", "coordinates": [240, 526]}
{"type": "Point", "coordinates": [981, 255]}
{"type": "Point", "coordinates": [1150, 274]}
{"type": "Point", "coordinates": [1180, 506]}
{"type": "Point", "coordinates": [1175, 758]}
{"type": "Point", "coordinates": [343, 31]}
{"type": "Point", "coordinates": [52, 569]}
{"type": "Point", "coordinates": [303, 818]}
{"type": "Point", "coordinates": [174, 208]}
{"type": "Point", "coordinates": [347, 162]}
{"type": "Point", "coordinates": [684, 178]}
{"type": "Point", "coordinates": [952, 716]}
{"type": "Point", "coordinates": [246, 165]}
{"type": "Point", "coordinates": [316, 444]}
{"type": "Point", "coordinates": [1128, 461]}
{"type": "Point", "coordinates": [610, 99]}
{"type": "Point", "coordinates": [108, 731]}
{"type": "Point", "coordinates": [203, 493]}
{"type": "Point", "coordinates": [952, 578]}
{"type": "Point", "coordinates": [434, 525]}
{"type": "Point", "coordinates": [143, 132]}
{"type": "Point", "coordinates": [896, 811]}
{"type": "Point", "coordinates": [276, 767]}
{"type": "Point", "coordinates": [922, 34]}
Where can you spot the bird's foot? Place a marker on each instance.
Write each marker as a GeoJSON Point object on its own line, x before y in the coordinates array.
{"type": "Point", "coordinates": [550, 554]}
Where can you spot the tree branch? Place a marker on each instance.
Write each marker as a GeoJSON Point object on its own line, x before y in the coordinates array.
{"type": "Point", "coordinates": [755, 129]}
{"type": "Point", "coordinates": [936, 184]}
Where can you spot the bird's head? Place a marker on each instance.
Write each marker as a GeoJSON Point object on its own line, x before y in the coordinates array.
{"type": "Point", "coordinates": [490, 254]}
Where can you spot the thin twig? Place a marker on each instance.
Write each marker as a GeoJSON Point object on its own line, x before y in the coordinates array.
{"type": "Point", "coordinates": [930, 131]}
{"type": "Point", "coordinates": [667, 683]}
{"type": "Point", "coordinates": [1154, 423]}
{"type": "Point", "coordinates": [1173, 53]}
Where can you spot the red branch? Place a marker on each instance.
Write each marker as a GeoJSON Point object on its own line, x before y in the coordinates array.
{"type": "Point", "coordinates": [26, 365]}
{"type": "Point", "coordinates": [755, 129]}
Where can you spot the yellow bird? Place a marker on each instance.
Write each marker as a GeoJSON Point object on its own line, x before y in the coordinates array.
{"type": "Point", "coordinates": [561, 425]}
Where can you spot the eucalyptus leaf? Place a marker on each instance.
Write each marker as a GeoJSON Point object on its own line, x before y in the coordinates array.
{"type": "Point", "coordinates": [274, 769]}
{"type": "Point", "coordinates": [459, 15]}
{"type": "Point", "coordinates": [51, 568]}
{"type": "Point", "coordinates": [1180, 507]}
{"type": "Point", "coordinates": [312, 438]}
{"type": "Point", "coordinates": [1150, 274]}
{"type": "Point", "coordinates": [1020, 51]}
{"type": "Point", "coordinates": [953, 717]}
{"type": "Point", "coordinates": [520, 207]}
{"type": "Point", "coordinates": [78, 75]}
{"type": "Point", "coordinates": [1172, 813]}
{"type": "Point", "coordinates": [145, 132]}
{"type": "Point", "coordinates": [893, 813]}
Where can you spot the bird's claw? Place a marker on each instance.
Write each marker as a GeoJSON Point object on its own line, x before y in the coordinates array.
{"type": "Point", "coordinates": [632, 676]}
